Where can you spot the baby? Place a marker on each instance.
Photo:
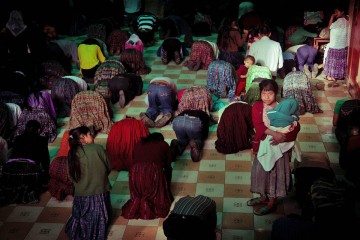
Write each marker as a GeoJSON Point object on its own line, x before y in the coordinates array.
{"type": "Point", "coordinates": [282, 118]}
{"type": "Point", "coordinates": [242, 73]}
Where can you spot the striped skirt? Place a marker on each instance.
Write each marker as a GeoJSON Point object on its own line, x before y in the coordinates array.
{"type": "Point", "coordinates": [90, 217]}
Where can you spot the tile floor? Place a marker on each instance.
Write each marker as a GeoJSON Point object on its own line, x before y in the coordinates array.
{"type": "Point", "coordinates": [225, 178]}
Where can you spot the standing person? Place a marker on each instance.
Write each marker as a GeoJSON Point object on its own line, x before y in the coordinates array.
{"type": "Point", "coordinates": [90, 57]}
{"type": "Point", "coordinates": [31, 145]}
{"type": "Point", "coordinates": [230, 41]}
{"type": "Point", "coordinates": [88, 168]}
{"type": "Point", "coordinates": [267, 52]}
{"type": "Point", "coordinates": [150, 179]}
{"type": "Point", "coordinates": [276, 182]}
{"type": "Point", "coordinates": [335, 55]}
{"type": "Point", "coordinates": [242, 73]}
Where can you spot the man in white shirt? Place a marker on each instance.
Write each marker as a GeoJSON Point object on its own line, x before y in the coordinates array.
{"type": "Point", "coordinates": [267, 52]}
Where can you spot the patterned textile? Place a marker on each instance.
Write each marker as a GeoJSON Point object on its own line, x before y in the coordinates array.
{"type": "Point", "coordinates": [201, 55]}
{"type": "Point", "coordinates": [106, 71]}
{"type": "Point", "coordinates": [116, 41]}
{"type": "Point", "coordinates": [221, 79]}
{"type": "Point", "coordinates": [150, 195]}
{"type": "Point", "coordinates": [235, 129]}
{"type": "Point", "coordinates": [90, 217]}
{"type": "Point", "coordinates": [133, 61]}
{"type": "Point", "coordinates": [11, 97]}
{"type": "Point", "coordinates": [297, 85]}
{"type": "Point", "coordinates": [195, 98]}
{"type": "Point", "coordinates": [63, 92]}
{"type": "Point", "coordinates": [5, 120]}
{"type": "Point", "coordinates": [275, 183]}
{"type": "Point", "coordinates": [60, 185]}
{"type": "Point", "coordinates": [335, 63]}
{"type": "Point", "coordinates": [42, 100]}
{"type": "Point", "coordinates": [89, 108]}
{"type": "Point", "coordinates": [122, 137]}
{"type": "Point", "coordinates": [256, 71]}
{"type": "Point", "coordinates": [48, 126]}
{"type": "Point", "coordinates": [50, 71]}
{"type": "Point", "coordinates": [253, 94]}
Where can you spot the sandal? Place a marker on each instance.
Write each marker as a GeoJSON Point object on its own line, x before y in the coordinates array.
{"type": "Point", "coordinates": [256, 201]}
{"type": "Point", "coordinates": [261, 211]}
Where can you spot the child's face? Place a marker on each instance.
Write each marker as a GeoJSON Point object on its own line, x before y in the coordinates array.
{"type": "Point", "coordinates": [248, 63]}
{"type": "Point", "coordinates": [268, 97]}
{"type": "Point", "coordinates": [88, 138]}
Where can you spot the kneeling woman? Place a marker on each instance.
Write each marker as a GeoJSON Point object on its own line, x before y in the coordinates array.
{"type": "Point", "coordinates": [88, 167]}
{"type": "Point", "coordinates": [149, 179]}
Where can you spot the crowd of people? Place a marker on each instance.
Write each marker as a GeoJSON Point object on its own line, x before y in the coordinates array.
{"type": "Point", "coordinates": [242, 66]}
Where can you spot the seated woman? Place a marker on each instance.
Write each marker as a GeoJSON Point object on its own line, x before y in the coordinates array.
{"type": "Point", "coordinates": [31, 145]}
{"type": "Point", "coordinates": [221, 79]}
{"type": "Point", "coordinates": [150, 179]}
{"type": "Point", "coordinates": [89, 108]}
{"type": "Point", "coordinates": [297, 85]}
{"type": "Point", "coordinates": [230, 41]}
{"type": "Point", "coordinates": [122, 137]}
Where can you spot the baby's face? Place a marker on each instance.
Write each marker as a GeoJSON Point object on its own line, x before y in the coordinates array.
{"type": "Point", "coordinates": [248, 63]}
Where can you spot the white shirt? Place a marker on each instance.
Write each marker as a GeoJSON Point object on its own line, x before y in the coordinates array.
{"type": "Point", "coordinates": [267, 53]}
{"type": "Point", "coordinates": [339, 34]}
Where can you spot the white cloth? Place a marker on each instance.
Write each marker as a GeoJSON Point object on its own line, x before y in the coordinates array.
{"type": "Point", "coordinates": [214, 47]}
{"type": "Point", "coordinates": [268, 154]}
{"type": "Point", "coordinates": [267, 53]}
{"type": "Point", "coordinates": [83, 86]}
